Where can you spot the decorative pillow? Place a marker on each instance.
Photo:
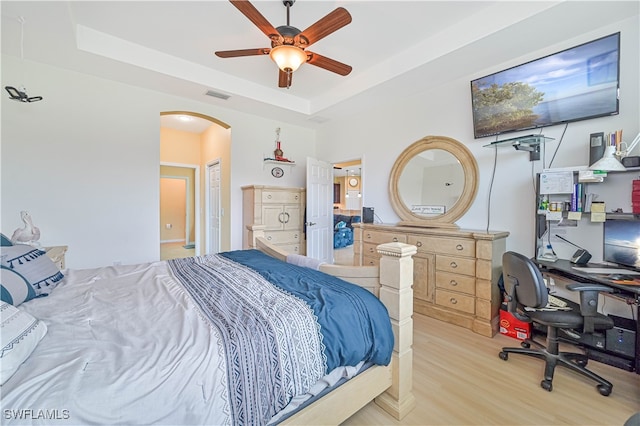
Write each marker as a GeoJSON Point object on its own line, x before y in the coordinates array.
{"type": "Point", "coordinates": [19, 335]}
{"type": "Point", "coordinates": [4, 241]}
{"type": "Point", "coordinates": [27, 272]}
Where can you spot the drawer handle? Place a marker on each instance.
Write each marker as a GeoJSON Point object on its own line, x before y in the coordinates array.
{"type": "Point", "coordinates": [453, 283]}
{"type": "Point", "coordinates": [459, 247]}
{"type": "Point", "coordinates": [296, 197]}
{"type": "Point", "coordinates": [371, 250]}
{"type": "Point", "coordinates": [288, 217]}
{"type": "Point", "coordinates": [369, 236]}
{"type": "Point", "coordinates": [419, 243]}
{"type": "Point", "coordinates": [269, 238]}
{"type": "Point", "coordinates": [453, 301]}
{"type": "Point", "coordinates": [453, 264]}
{"type": "Point", "coordinates": [395, 239]}
{"type": "Point", "coordinates": [269, 196]}
{"type": "Point", "coordinates": [371, 262]}
{"type": "Point", "coordinates": [295, 236]}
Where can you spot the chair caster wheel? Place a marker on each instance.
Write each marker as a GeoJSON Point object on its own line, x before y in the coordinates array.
{"type": "Point", "coordinates": [582, 362]}
{"type": "Point", "coordinates": [604, 390]}
{"type": "Point", "coordinates": [546, 385]}
{"type": "Point", "coordinates": [525, 345]}
{"type": "Point", "coordinates": [503, 356]}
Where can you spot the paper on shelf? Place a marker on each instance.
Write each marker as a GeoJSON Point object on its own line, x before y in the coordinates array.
{"type": "Point", "coordinates": [590, 176]}
{"type": "Point", "coordinates": [554, 215]}
{"type": "Point", "coordinates": [560, 182]}
{"type": "Point", "coordinates": [575, 215]}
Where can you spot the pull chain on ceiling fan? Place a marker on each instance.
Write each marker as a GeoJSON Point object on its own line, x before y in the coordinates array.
{"type": "Point", "coordinates": [288, 43]}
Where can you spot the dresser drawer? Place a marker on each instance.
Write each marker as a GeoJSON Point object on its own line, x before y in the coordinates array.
{"type": "Point", "coordinates": [281, 197]}
{"type": "Point", "coordinates": [457, 301]}
{"type": "Point", "coordinates": [283, 237]}
{"type": "Point", "coordinates": [454, 246]}
{"type": "Point", "coordinates": [458, 265]}
{"type": "Point", "coordinates": [370, 249]}
{"type": "Point", "coordinates": [420, 241]}
{"type": "Point", "coordinates": [377, 237]}
{"type": "Point", "coordinates": [456, 282]}
{"type": "Point", "coordinates": [370, 261]}
{"type": "Point", "coordinates": [292, 248]}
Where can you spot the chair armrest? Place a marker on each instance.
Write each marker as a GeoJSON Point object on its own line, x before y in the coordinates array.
{"type": "Point", "coordinates": [589, 296]}
{"type": "Point", "coordinates": [589, 287]}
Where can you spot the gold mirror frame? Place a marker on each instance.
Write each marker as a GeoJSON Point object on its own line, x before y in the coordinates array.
{"type": "Point", "coordinates": [469, 167]}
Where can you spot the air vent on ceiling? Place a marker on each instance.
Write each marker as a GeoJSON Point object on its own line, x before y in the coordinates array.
{"type": "Point", "coordinates": [217, 95]}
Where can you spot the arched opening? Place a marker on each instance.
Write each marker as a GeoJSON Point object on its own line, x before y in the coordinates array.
{"type": "Point", "coordinates": [191, 142]}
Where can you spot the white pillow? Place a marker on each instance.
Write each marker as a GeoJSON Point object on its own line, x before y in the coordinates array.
{"type": "Point", "coordinates": [20, 333]}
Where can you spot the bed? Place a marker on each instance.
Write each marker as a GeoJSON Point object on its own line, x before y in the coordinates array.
{"type": "Point", "coordinates": [143, 343]}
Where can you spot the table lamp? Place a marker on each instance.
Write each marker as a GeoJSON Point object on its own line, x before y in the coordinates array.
{"type": "Point", "coordinates": [608, 162]}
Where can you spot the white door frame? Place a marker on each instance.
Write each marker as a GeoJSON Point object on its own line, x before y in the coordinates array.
{"type": "Point", "coordinates": [207, 191]}
{"type": "Point", "coordinates": [196, 190]}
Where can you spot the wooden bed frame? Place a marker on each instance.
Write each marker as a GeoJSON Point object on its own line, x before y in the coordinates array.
{"type": "Point", "coordinates": [389, 386]}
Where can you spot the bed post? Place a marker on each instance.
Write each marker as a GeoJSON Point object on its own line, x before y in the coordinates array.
{"type": "Point", "coordinates": [396, 279]}
{"type": "Point", "coordinates": [255, 231]}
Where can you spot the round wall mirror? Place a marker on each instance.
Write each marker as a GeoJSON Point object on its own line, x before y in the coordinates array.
{"type": "Point", "coordinates": [433, 182]}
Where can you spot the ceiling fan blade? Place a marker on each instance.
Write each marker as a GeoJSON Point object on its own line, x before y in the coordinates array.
{"type": "Point", "coordinates": [284, 79]}
{"type": "Point", "coordinates": [325, 26]}
{"type": "Point", "coordinates": [256, 17]}
{"type": "Point", "coordinates": [242, 52]}
{"type": "Point", "coordinates": [328, 64]}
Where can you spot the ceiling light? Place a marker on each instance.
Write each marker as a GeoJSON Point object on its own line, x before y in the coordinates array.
{"type": "Point", "coordinates": [608, 162]}
{"type": "Point", "coordinates": [287, 57]}
{"type": "Point", "coordinates": [184, 118]}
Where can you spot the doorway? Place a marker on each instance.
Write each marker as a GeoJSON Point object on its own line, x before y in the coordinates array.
{"type": "Point", "coordinates": [178, 207]}
{"type": "Point", "coordinates": [194, 140]}
{"type": "Point", "coordinates": [347, 207]}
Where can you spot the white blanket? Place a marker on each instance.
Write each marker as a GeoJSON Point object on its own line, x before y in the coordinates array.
{"type": "Point", "coordinates": [100, 364]}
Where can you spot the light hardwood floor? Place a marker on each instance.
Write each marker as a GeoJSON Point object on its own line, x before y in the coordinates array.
{"type": "Point", "coordinates": [175, 251]}
{"type": "Point", "coordinates": [460, 380]}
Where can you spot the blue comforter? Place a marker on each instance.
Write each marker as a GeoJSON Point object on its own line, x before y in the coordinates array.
{"type": "Point", "coordinates": [354, 324]}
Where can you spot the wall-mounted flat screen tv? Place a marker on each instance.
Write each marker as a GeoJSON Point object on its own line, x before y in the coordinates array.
{"type": "Point", "coordinates": [575, 84]}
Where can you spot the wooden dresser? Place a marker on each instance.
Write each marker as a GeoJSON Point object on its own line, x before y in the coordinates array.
{"type": "Point", "coordinates": [455, 272]}
{"type": "Point", "coordinates": [280, 210]}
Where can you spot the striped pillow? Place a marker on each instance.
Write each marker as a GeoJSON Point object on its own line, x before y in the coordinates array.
{"type": "Point", "coordinates": [26, 272]}
{"type": "Point", "coordinates": [20, 333]}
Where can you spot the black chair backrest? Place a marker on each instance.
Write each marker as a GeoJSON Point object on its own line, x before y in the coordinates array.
{"type": "Point", "coordinates": [519, 271]}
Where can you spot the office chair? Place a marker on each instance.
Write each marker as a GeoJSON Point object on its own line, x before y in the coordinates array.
{"type": "Point", "coordinates": [525, 287]}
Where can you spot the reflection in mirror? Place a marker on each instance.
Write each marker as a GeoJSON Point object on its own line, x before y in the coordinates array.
{"type": "Point", "coordinates": [431, 183]}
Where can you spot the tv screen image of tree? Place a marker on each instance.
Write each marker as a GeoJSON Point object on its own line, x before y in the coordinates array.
{"type": "Point", "coordinates": [575, 84]}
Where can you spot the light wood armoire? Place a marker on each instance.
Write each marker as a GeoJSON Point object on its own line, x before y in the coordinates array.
{"type": "Point", "coordinates": [280, 210]}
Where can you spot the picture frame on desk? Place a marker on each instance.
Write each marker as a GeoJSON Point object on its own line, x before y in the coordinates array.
{"type": "Point", "coordinates": [596, 147]}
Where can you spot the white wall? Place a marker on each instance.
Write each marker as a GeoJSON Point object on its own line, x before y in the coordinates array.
{"type": "Point", "coordinates": [85, 162]}
{"type": "Point", "coordinates": [384, 132]}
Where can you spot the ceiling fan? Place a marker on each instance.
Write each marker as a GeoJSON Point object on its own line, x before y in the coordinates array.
{"type": "Point", "coordinates": [288, 43]}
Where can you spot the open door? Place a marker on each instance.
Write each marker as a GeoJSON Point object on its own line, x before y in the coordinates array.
{"type": "Point", "coordinates": [214, 210]}
{"type": "Point", "coordinates": [319, 222]}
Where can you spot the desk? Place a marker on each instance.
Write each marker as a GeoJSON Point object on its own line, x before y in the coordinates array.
{"type": "Point", "coordinates": [565, 268]}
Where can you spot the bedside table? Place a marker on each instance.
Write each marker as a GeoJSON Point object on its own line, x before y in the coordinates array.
{"type": "Point", "coordinates": [56, 253]}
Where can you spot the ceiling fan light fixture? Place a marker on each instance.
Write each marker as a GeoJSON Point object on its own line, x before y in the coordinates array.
{"type": "Point", "coordinates": [287, 57]}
